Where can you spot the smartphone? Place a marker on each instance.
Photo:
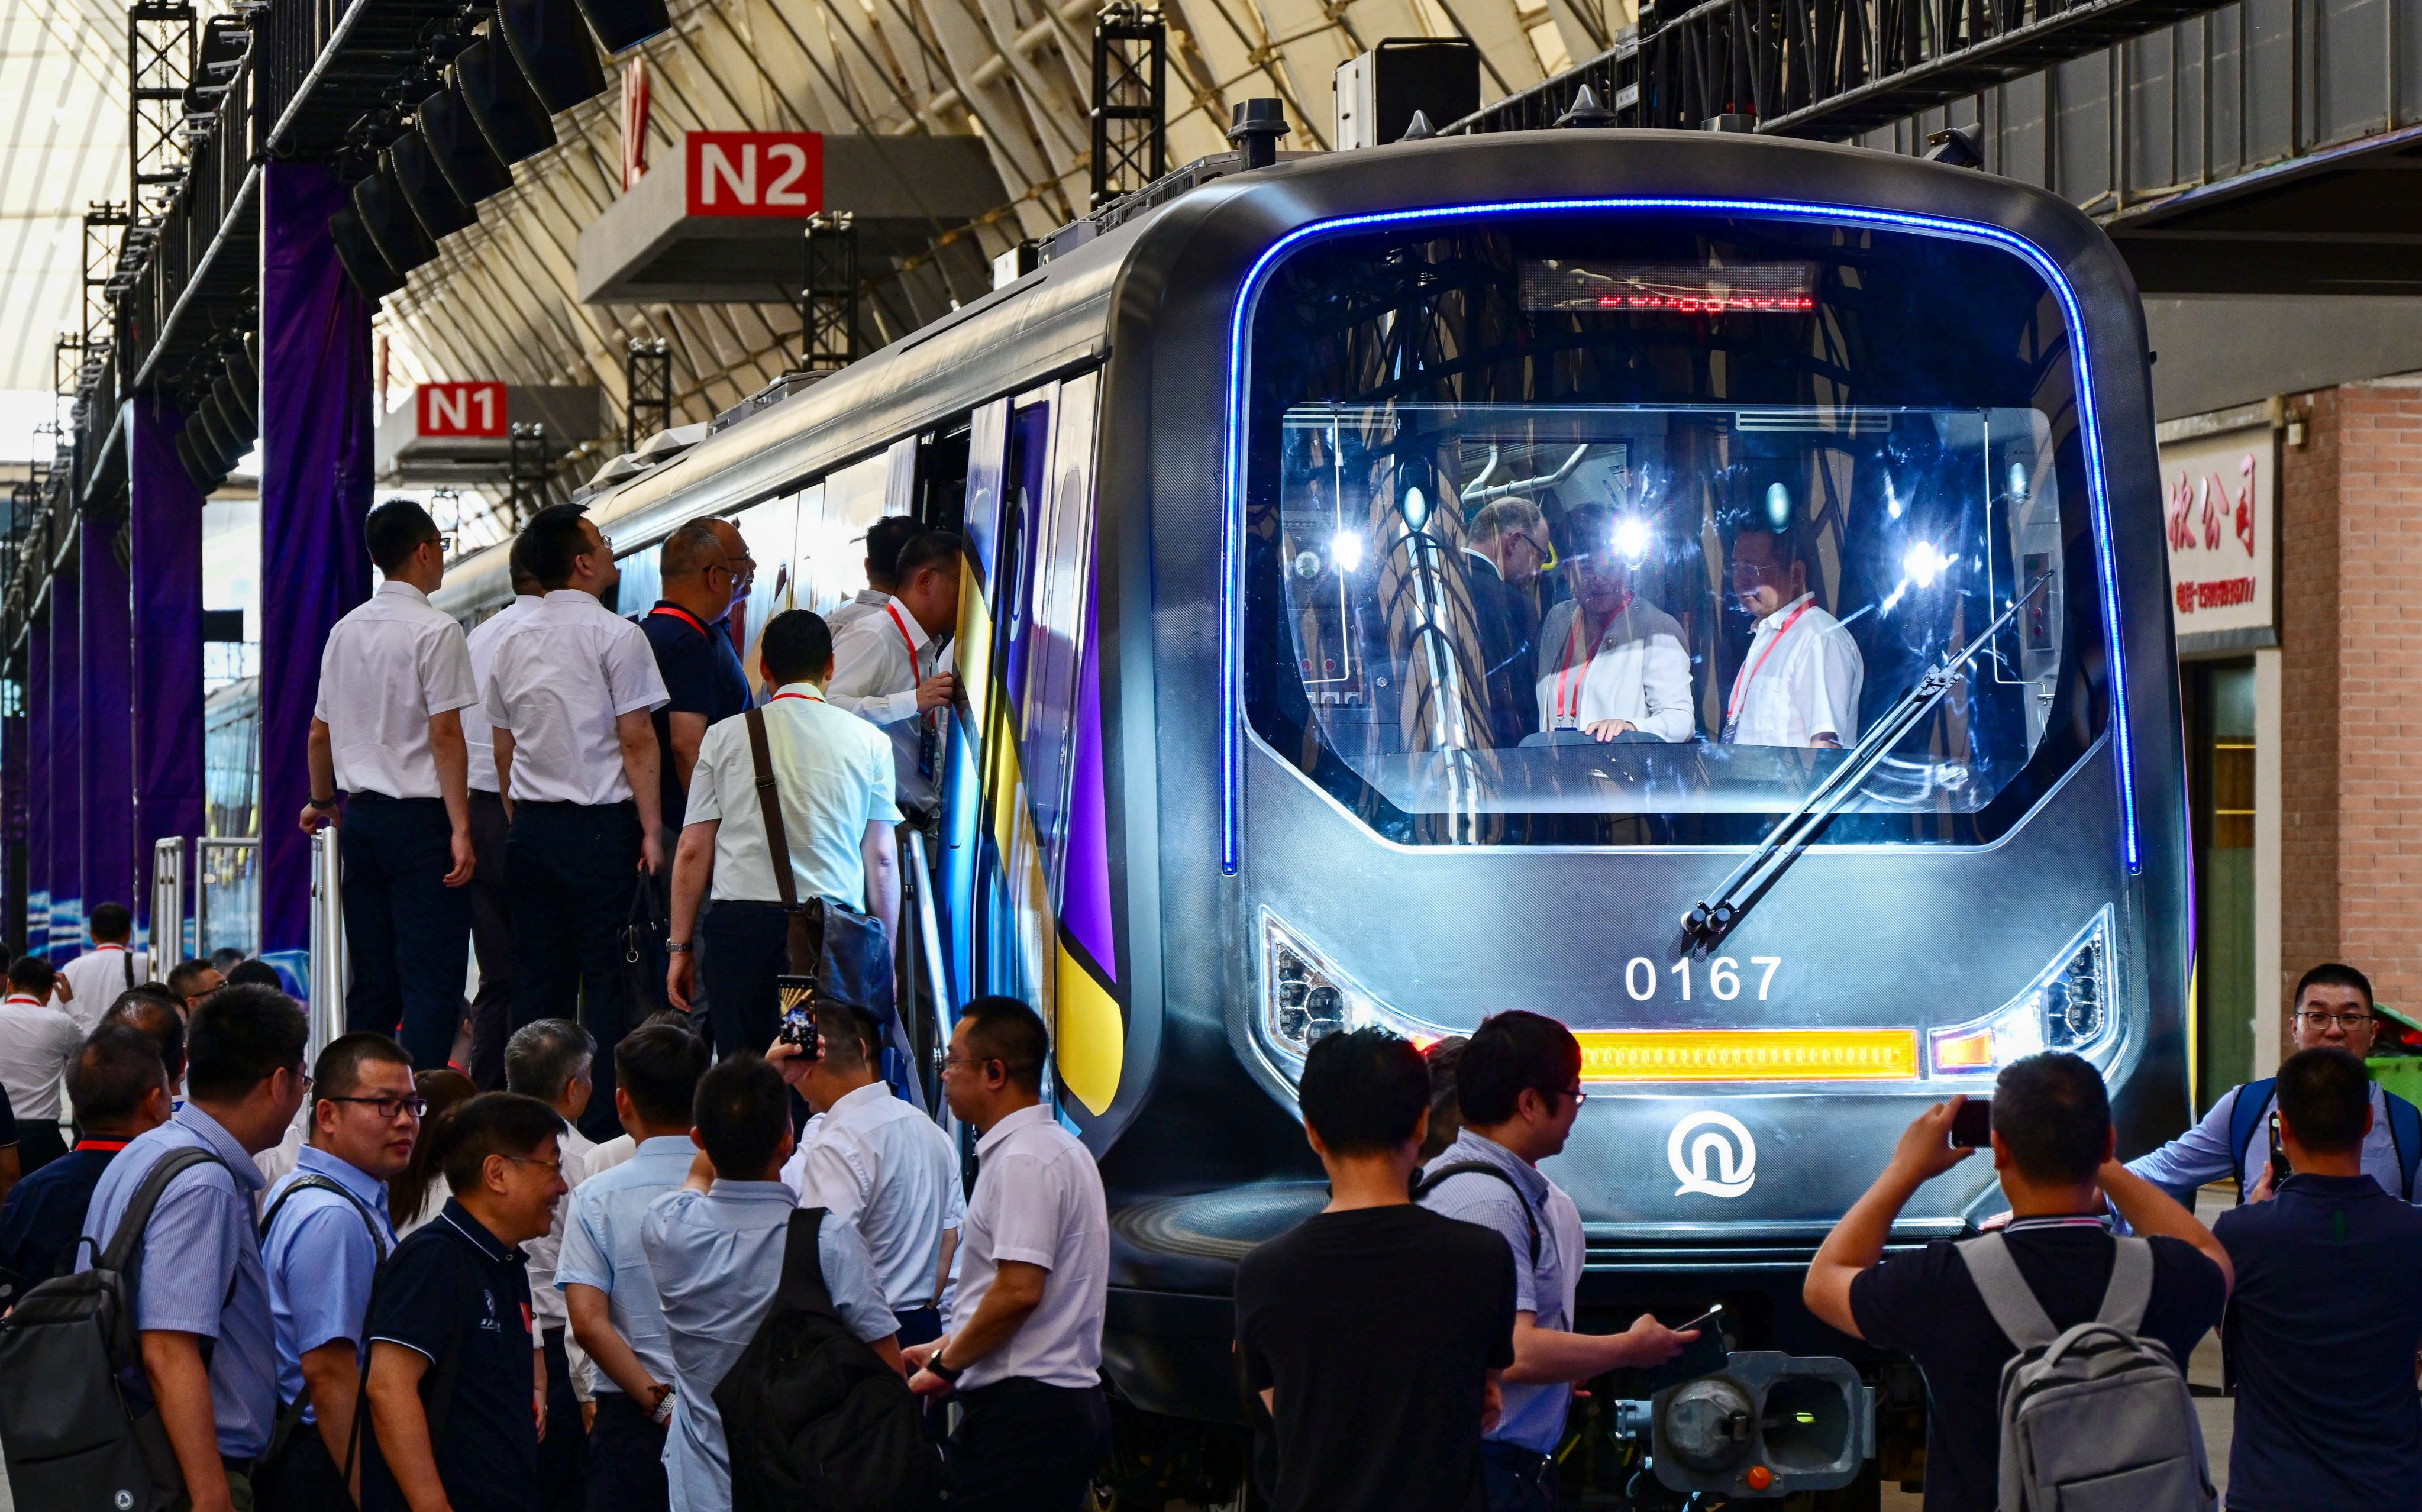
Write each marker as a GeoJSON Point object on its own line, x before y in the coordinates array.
{"type": "Point", "coordinates": [798, 999]}
{"type": "Point", "coordinates": [2280, 1169]}
{"type": "Point", "coordinates": [1972, 1128]}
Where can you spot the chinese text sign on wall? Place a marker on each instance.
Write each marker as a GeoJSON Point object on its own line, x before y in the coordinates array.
{"type": "Point", "coordinates": [2219, 502]}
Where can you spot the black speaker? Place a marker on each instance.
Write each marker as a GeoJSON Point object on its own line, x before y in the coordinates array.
{"type": "Point", "coordinates": [225, 446]}
{"type": "Point", "coordinates": [500, 99]}
{"type": "Point", "coordinates": [365, 264]}
{"type": "Point", "coordinates": [390, 222]}
{"type": "Point", "coordinates": [432, 200]}
{"type": "Point", "coordinates": [238, 409]}
{"type": "Point", "coordinates": [626, 24]}
{"type": "Point", "coordinates": [552, 48]}
{"type": "Point", "coordinates": [189, 457]}
{"type": "Point", "coordinates": [458, 150]}
{"type": "Point", "coordinates": [245, 373]}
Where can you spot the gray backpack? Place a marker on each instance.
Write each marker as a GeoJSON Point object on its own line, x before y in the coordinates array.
{"type": "Point", "coordinates": [2094, 1419]}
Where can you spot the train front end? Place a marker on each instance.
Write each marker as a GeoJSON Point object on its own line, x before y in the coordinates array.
{"type": "Point", "coordinates": [1516, 441]}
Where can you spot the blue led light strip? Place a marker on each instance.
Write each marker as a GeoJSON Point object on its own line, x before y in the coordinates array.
{"type": "Point", "coordinates": [1230, 563]}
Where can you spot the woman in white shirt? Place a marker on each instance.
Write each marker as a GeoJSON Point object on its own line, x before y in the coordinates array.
{"type": "Point", "coordinates": [1609, 661]}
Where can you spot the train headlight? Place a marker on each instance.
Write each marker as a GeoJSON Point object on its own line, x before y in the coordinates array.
{"type": "Point", "coordinates": [2066, 1007]}
{"type": "Point", "coordinates": [1306, 997]}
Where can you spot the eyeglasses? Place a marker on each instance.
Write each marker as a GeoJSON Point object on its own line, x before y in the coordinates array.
{"type": "Point", "coordinates": [950, 1061]}
{"type": "Point", "coordinates": [388, 1106]}
{"type": "Point", "coordinates": [1577, 1096]}
{"type": "Point", "coordinates": [532, 1159]}
{"type": "Point", "coordinates": [2321, 1020]}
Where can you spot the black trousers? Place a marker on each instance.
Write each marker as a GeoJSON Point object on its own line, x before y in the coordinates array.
{"type": "Point", "coordinates": [561, 1484]}
{"type": "Point", "coordinates": [626, 1459]}
{"type": "Point", "coordinates": [39, 1143]}
{"type": "Point", "coordinates": [1516, 1479]}
{"type": "Point", "coordinates": [742, 951]}
{"type": "Point", "coordinates": [492, 941]}
{"type": "Point", "coordinates": [303, 1478]}
{"type": "Point", "coordinates": [407, 933]}
{"type": "Point", "coordinates": [1022, 1446]}
{"type": "Point", "coordinates": [572, 868]}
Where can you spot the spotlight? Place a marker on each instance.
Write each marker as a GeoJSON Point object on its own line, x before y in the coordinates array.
{"type": "Point", "coordinates": [189, 456]}
{"type": "Point", "coordinates": [552, 46]}
{"type": "Point", "coordinates": [1778, 506]}
{"type": "Point", "coordinates": [1923, 563]}
{"type": "Point", "coordinates": [1631, 539]}
{"type": "Point", "coordinates": [1345, 550]}
{"type": "Point", "coordinates": [500, 99]}
{"type": "Point", "coordinates": [457, 149]}
{"type": "Point", "coordinates": [622, 25]}
{"type": "Point", "coordinates": [1417, 508]}
{"type": "Point", "coordinates": [391, 223]}
{"type": "Point", "coordinates": [432, 200]}
{"type": "Point", "coordinates": [365, 264]}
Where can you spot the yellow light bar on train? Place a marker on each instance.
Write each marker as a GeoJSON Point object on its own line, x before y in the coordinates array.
{"type": "Point", "coordinates": [1749, 1054]}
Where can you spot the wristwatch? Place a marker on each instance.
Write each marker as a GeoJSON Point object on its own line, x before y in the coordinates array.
{"type": "Point", "coordinates": [949, 1373]}
{"type": "Point", "coordinates": [322, 804]}
{"type": "Point", "coordinates": [679, 947]}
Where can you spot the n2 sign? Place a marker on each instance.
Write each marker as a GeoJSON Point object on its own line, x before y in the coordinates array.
{"type": "Point", "coordinates": [755, 173]}
{"type": "Point", "coordinates": [461, 409]}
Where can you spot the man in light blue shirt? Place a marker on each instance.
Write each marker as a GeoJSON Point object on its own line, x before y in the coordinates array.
{"type": "Point", "coordinates": [198, 1276]}
{"type": "Point", "coordinates": [1519, 1081]}
{"type": "Point", "coordinates": [609, 1291]}
{"type": "Point", "coordinates": [716, 1248]}
{"type": "Point", "coordinates": [324, 1230]}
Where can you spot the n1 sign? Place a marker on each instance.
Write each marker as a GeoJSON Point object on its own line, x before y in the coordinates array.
{"type": "Point", "coordinates": [755, 173]}
{"type": "Point", "coordinates": [461, 409]}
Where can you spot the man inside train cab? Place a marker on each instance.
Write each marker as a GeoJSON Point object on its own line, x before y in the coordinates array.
{"type": "Point", "coordinates": [892, 669]}
{"type": "Point", "coordinates": [1798, 681]}
{"type": "Point", "coordinates": [1611, 663]}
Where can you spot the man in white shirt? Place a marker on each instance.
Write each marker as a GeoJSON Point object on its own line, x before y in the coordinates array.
{"type": "Point", "coordinates": [884, 540]}
{"type": "Point", "coordinates": [1024, 1350]}
{"type": "Point", "coordinates": [873, 1161]}
{"type": "Point", "coordinates": [550, 1060]}
{"type": "Point", "coordinates": [888, 666]}
{"type": "Point", "coordinates": [38, 1042]}
{"type": "Point", "coordinates": [94, 979]}
{"type": "Point", "coordinates": [1611, 662]}
{"type": "Point", "coordinates": [832, 778]}
{"type": "Point", "coordinates": [492, 918]}
{"type": "Point", "coordinates": [1798, 682]}
{"type": "Point", "coordinates": [570, 694]}
{"type": "Point", "coordinates": [388, 731]}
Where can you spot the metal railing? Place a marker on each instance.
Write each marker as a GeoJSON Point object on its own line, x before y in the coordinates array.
{"type": "Point", "coordinates": [331, 969]}
{"type": "Point", "coordinates": [170, 942]}
{"type": "Point", "coordinates": [226, 896]}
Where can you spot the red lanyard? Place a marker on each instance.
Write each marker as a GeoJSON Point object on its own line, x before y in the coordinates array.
{"type": "Point", "coordinates": [102, 1145]}
{"type": "Point", "coordinates": [779, 697]}
{"type": "Point", "coordinates": [1748, 674]}
{"type": "Point", "coordinates": [902, 625]}
{"type": "Point", "coordinates": [1572, 644]}
{"type": "Point", "coordinates": [676, 611]}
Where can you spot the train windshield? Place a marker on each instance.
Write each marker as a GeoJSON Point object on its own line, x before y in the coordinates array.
{"type": "Point", "coordinates": [1627, 531]}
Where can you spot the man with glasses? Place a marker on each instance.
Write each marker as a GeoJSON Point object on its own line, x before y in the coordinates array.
{"type": "Point", "coordinates": [1799, 680]}
{"type": "Point", "coordinates": [387, 742]}
{"type": "Point", "coordinates": [1506, 548]}
{"type": "Point", "coordinates": [1518, 1080]}
{"type": "Point", "coordinates": [324, 1230]}
{"type": "Point", "coordinates": [2333, 1009]}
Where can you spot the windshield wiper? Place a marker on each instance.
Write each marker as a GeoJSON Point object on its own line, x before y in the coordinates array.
{"type": "Point", "coordinates": [1713, 917]}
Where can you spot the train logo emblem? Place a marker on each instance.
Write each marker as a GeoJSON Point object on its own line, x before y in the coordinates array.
{"type": "Point", "coordinates": [1712, 1155]}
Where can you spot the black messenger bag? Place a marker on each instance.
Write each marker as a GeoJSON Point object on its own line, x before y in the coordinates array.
{"type": "Point", "coordinates": [841, 955]}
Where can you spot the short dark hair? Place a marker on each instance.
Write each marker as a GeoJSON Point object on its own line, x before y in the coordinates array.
{"type": "Point", "coordinates": [1007, 1031]}
{"type": "Point", "coordinates": [553, 538]}
{"type": "Point", "coordinates": [395, 530]}
{"type": "Point", "coordinates": [847, 1024]}
{"type": "Point", "coordinates": [239, 1038]}
{"type": "Point", "coordinates": [884, 539]}
{"type": "Point", "coordinates": [31, 973]}
{"type": "Point", "coordinates": [182, 975]}
{"type": "Point", "coordinates": [2054, 1115]}
{"type": "Point", "coordinates": [337, 1073]}
{"type": "Point", "coordinates": [111, 1076]}
{"type": "Point", "coordinates": [1446, 1102]}
{"type": "Point", "coordinates": [1510, 1053]}
{"type": "Point", "coordinates": [933, 548]}
{"type": "Point", "coordinates": [111, 923]}
{"type": "Point", "coordinates": [1364, 1091]}
{"type": "Point", "coordinates": [2325, 1095]}
{"type": "Point", "coordinates": [741, 1112]}
{"type": "Point", "coordinates": [255, 973]}
{"type": "Point", "coordinates": [688, 549]}
{"type": "Point", "coordinates": [2333, 974]}
{"type": "Point", "coordinates": [545, 1055]}
{"type": "Point", "coordinates": [517, 563]}
{"type": "Point", "coordinates": [160, 1019]}
{"type": "Point", "coordinates": [493, 1122]}
{"type": "Point", "coordinates": [659, 1064]}
{"type": "Point", "coordinates": [798, 646]}
{"type": "Point", "coordinates": [1791, 546]}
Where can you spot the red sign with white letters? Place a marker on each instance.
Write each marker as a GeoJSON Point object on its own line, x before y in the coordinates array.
{"type": "Point", "coordinates": [461, 409]}
{"type": "Point", "coordinates": [755, 173]}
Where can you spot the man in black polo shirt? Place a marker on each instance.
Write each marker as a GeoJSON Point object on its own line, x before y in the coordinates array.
{"type": "Point", "coordinates": [2324, 1323]}
{"type": "Point", "coordinates": [2052, 1146]}
{"type": "Point", "coordinates": [457, 1384]}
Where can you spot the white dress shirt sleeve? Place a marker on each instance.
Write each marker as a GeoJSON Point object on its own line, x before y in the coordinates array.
{"type": "Point", "coordinates": [1028, 1227]}
{"type": "Point", "coordinates": [446, 681]}
{"type": "Point", "coordinates": [1666, 688]}
{"type": "Point", "coordinates": [630, 674]}
{"type": "Point", "coordinates": [869, 673]}
{"type": "Point", "coordinates": [1835, 674]}
{"type": "Point", "coordinates": [831, 1180]}
{"type": "Point", "coordinates": [499, 708]}
{"type": "Point", "coordinates": [704, 802]}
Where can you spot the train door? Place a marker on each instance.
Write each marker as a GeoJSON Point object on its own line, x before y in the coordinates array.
{"type": "Point", "coordinates": [769, 530]}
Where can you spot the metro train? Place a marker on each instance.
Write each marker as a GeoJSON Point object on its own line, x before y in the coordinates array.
{"type": "Point", "coordinates": [1232, 770]}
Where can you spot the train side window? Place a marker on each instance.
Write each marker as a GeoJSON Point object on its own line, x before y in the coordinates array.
{"type": "Point", "coordinates": [770, 531]}
{"type": "Point", "coordinates": [832, 533]}
{"type": "Point", "coordinates": [942, 479]}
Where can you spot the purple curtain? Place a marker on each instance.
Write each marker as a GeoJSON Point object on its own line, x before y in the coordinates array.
{"type": "Point", "coordinates": [37, 787]}
{"type": "Point", "coordinates": [315, 490]}
{"type": "Point", "coordinates": [166, 525]}
{"type": "Point", "coordinates": [67, 770]}
{"type": "Point", "coordinates": [108, 668]}
{"type": "Point", "coordinates": [13, 870]}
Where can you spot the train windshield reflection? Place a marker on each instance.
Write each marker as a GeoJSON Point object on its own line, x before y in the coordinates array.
{"type": "Point", "coordinates": [1659, 614]}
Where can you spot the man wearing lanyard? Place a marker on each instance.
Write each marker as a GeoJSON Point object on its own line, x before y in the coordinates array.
{"type": "Point", "coordinates": [1799, 685]}
{"type": "Point", "coordinates": [887, 670]}
{"type": "Point", "coordinates": [95, 978]}
{"type": "Point", "coordinates": [884, 540]}
{"type": "Point", "coordinates": [570, 696]}
{"type": "Point", "coordinates": [832, 780]}
{"type": "Point", "coordinates": [120, 1090]}
{"type": "Point", "coordinates": [492, 918]}
{"type": "Point", "coordinates": [37, 1043]}
{"type": "Point", "coordinates": [1611, 663]}
{"type": "Point", "coordinates": [388, 731]}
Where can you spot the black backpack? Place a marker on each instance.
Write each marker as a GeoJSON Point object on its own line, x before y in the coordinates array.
{"type": "Point", "coordinates": [77, 1417]}
{"type": "Point", "coordinates": [290, 1417]}
{"type": "Point", "coordinates": [814, 1420]}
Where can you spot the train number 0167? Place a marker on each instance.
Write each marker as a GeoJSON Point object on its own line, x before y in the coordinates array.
{"type": "Point", "coordinates": [1723, 977]}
